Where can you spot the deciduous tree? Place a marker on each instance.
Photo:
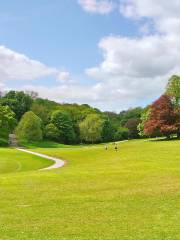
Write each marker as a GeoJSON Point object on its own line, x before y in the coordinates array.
{"type": "Point", "coordinates": [19, 102]}
{"type": "Point", "coordinates": [91, 128]}
{"type": "Point", "coordinates": [64, 124]}
{"type": "Point", "coordinates": [29, 127]}
{"type": "Point", "coordinates": [7, 122]}
{"type": "Point", "coordinates": [52, 132]}
{"type": "Point", "coordinates": [173, 90]}
{"type": "Point", "coordinates": [163, 118]}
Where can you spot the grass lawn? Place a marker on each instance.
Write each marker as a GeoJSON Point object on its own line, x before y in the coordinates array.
{"type": "Point", "coordinates": [132, 194]}
{"type": "Point", "coordinates": [12, 161]}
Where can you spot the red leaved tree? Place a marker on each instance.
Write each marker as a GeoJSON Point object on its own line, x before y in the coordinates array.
{"type": "Point", "coordinates": [163, 119]}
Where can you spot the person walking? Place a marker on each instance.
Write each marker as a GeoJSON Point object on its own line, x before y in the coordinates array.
{"type": "Point", "coordinates": [116, 147]}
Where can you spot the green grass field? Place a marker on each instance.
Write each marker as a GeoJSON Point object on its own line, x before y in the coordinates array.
{"type": "Point", "coordinates": [12, 161]}
{"type": "Point", "coordinates": [132, 194]}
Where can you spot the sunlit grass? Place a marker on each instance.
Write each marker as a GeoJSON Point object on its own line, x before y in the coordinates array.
{"type": "Point", "coordinates": [130, 194]}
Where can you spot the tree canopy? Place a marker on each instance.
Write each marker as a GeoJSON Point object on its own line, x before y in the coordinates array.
{"type": "Point", "coordinates": [18, 102]}
{"type": "Point", "coordinates": [29, 127]}
{"type": "Point", "coordinates": [91, 128]}
{"type": "Point", "coordinates": [64, 124]}
{"type": "Point", "coordinates": [173, 90]}
{"type": "Point", "coordinates": [7, 122]}
{"type": "Point", "coordinates": [162, 119]}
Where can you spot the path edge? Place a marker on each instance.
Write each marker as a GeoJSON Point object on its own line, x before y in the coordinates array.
{"type": "Point", "coordinates": [58, 163]}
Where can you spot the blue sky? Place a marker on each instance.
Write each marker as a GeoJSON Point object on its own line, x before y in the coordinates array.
{"type": "Point", "coordinates": [88, 51]}
{"type": "Point", "coordinates": [58, 33]}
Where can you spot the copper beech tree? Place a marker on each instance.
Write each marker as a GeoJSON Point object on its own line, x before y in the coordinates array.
{"type": "Point", "coordinates": [163, 119]}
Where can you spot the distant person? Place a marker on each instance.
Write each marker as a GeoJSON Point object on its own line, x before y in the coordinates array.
{"type": "Point", "coordinates": [106, 147]}
{"type": "Point", "coordinates": [116, 147]}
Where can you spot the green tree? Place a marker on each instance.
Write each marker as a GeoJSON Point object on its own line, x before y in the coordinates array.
{"type": "Point", "coordinates": [107, 131]}
{"type": "Point", "coordinates": [64, 124]}
{"type": "Point", "coordinates": [173, 89]}
{"type": "Point", "coordinates": [121, 134]}
{"type": "Point", "coordinates": [29, 127]}
{"type": "Point", "coordinates": [91, 128]}
{"type": "Point", "coordinates": [144, 118]}
{"type": "Point", "coordinates": [7, 122]}
{"type": "Point", "coordinates": [52, 132]}
{"type": "Point", "coordinates": [133, 113]}
{"type": "Point", "coordinates": [44, 108]}
{"type": "Point", "coordinates": [19, 102]}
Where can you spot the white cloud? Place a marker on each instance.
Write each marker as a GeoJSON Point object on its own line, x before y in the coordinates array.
{"type": "Point", "coordinates": [64, 76]}
{"type": "Point", "coordinates": [97, 6]}
{"type": "Point", "coordinates": [15, 66]}
{"type": "Point", "coordinates": [66, 92]}
{"type": "Point", "coordinates": [146, 57]}
{"type": "Point", "coordinates": [106, 96]}
{"type": "Point", "coordinates": [138, 68]}
{"type": "Point", "coordinates": [99, 95]}
{"type": "Point", "coordinates": [165, 14]}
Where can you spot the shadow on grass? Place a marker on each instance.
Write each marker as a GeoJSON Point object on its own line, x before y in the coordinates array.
{"type": "Point", "coordinates": [44, 144]}
{"type": "Point", "coordinates": [163, 139]}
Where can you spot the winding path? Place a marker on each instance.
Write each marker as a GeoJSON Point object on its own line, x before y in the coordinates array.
{"type": "Point", "coordinates": [58, 163]}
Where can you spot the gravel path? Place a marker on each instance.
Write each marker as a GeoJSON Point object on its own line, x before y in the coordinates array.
{"type": "Point", "coordinates": [58, 163]}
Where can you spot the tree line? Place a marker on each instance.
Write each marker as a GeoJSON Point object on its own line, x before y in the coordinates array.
{"type": "Point", "coordinates": [34, 119]}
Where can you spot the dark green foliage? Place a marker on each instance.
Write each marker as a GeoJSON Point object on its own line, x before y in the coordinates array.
{"type": "Point", "coordinates": [114, 119]}
{"type": "Point", "coordinates": [78, 113]}
{"type": "Point", "coordinates": [4, 142]}
{"type": "Point", "coordinates": [64, 124]}
{"type": "Point", "coordinates": [108, 131]}
{"type": "Point", "coordinates": [29, 128]}
{"type": "Point", "coordinates": [44, 108]}
{"type": "Point", "coordinates": [52, 132]}
{"type": "Point", "coordinates": [19, 102]}
{"type": "Point", "coordinates": [121, 134]}
{"type": "Point", "coordinates": [134, 113]}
